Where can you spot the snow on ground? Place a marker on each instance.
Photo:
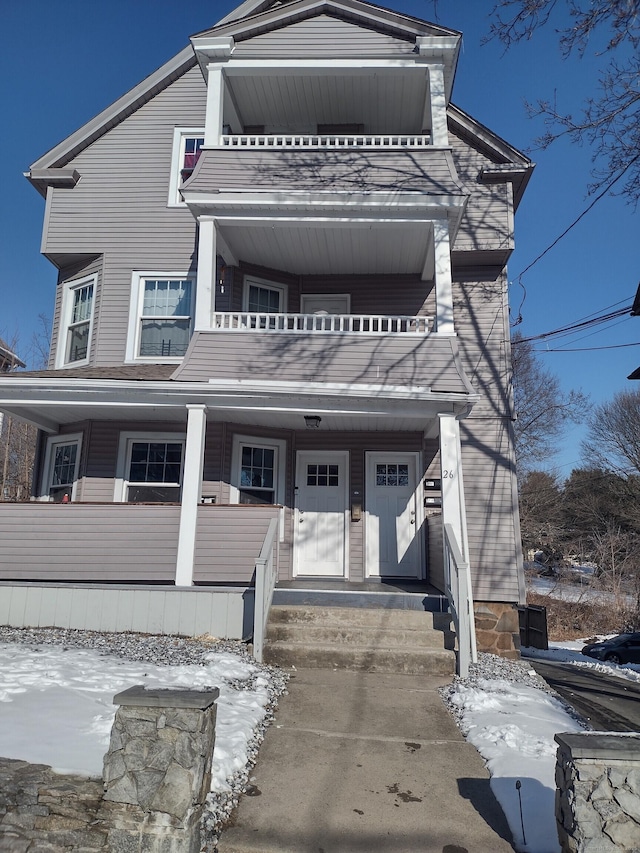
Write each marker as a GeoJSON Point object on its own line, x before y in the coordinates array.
{"type": "Point", "coordinates": [56, 708]}
{"type": "Point", "coordinates": [56, 700]}
{"type": "Point", "coordinates": [569, 652]}
{"type": "Point", "coordinates": [508, 714]}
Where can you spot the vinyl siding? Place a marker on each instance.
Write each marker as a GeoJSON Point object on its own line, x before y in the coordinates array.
{"type": "Point", "coordinates": [228, 542]}
{"type": "Point", "coordinates": [488, 220]}
{"type": "Point", "coordinates": [424, 360]}
{"type": "Point", "coordinates": [80, 542]}
{"type": "Point", "coordinates": [322, 36]}
{"type": "Point", "coordinates": [420, 170]}
{"type": "Point", "coordinates": [119, 207]}
{"type": "Point", "coordinates": [488, 470]}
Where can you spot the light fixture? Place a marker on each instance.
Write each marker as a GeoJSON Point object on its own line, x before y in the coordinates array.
{"type": "Point", "coordinates": [312, 421]}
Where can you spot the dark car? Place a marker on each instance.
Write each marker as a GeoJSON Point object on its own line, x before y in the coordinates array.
{"type": "Point", "coordinates": [625, 648]}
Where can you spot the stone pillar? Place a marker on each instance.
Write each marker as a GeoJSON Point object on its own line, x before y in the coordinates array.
{"type": "Point", "coordinates": [157, 772]}
{"type": "Point", "coordinates": [598, 792]}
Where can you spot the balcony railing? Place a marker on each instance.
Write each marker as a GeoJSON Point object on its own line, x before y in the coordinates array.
{"type": "Point", "coordinates": [362, 324]}
{"type": "Point", "coordinates": [298, 140]}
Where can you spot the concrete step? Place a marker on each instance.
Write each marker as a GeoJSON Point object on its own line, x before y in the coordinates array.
{"type": "Point", "coordinates": [367, 640]}
{"type": "Point", "coordinates": [358, 635]}
{"type": "Point", "coordinates": [358, 616]}
{"type": "Point", "coordinates": [348, 597]}
{"type": "Point", "coordinates": [408, 661]}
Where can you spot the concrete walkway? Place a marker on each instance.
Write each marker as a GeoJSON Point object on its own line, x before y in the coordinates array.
{"type": "Point", "coordinates": [360, 762]}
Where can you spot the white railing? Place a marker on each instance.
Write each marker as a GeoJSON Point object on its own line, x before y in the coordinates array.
{"type": "Point", "coordinates": [266, 577]}
{"type": "Point", "coordinates": [458, 589]}
{"type": "Point", "coordinates": [363, 324]}
{"type": "Point", "coordinates": [298, 140]}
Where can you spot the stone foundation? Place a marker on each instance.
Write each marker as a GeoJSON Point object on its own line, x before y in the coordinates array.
{"type": "Point", "coordinates": [497, 628]}
{"type": "Point", "coordinates": [598, 793]}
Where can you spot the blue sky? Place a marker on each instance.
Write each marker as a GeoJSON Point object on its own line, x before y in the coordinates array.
{"type": "Point", "coordinates": [62, 61]}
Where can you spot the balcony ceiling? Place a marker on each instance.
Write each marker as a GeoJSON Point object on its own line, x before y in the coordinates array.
{"type": "Point", "coordinates": [389, 102]}
{"type": "Point", "coordinates": [368, 249]}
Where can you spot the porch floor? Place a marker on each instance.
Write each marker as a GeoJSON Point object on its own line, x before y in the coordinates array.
{"type": "Point", "coordinates": [391, 593]}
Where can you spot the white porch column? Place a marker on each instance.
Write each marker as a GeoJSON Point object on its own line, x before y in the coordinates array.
{"type": "Point", "coordinates": [453, 506]}
{"type": "Point", "coordinates": [215, 105]}
{"type": "Point", "coordinates": [206, 280]}
{"type": "Point", "coordinates": [438, 98]}
{"type": "Point", "coordinates": [191, 490]}
{"type": "Point", "coordinates": [444, 294]}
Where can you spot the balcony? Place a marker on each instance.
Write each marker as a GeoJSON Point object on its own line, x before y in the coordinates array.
{"type": "Point", "coordinates": [368, 140]}
{"type": "Point", "coordinates": [360, 324]}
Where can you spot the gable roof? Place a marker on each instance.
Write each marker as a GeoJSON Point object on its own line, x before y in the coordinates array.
{"type": "Point", "coordinates": [247, 20]}
{"type": "Point", "coordinates": [256, 16]}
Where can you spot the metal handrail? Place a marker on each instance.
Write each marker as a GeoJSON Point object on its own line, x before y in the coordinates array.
{"type": "Point", "coordinates": [266, 576]}
{"type": "Point", "coordinates": [458, 591]}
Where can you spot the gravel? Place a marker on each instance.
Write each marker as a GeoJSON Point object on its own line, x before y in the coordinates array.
{"type": "Point", "coordinates": [165, 650]}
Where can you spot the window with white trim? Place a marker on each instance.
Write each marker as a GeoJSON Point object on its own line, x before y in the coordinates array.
{"type": "Point", "coordinates": [61, 465]}
{"type": "Point", "coordinates": [257, 470]}
{"type": "Point", "coordinates": [150, 468]}
{"type": "Point", "coordinates": [161, 317]}
{"type": "Point", "coordinates": [76, 320]}
{"type": "Point", "coordinates": [264, 297]}
{"type": "Point", "coordinates": [187, 145]}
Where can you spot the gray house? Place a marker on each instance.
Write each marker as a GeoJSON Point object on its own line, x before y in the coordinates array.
{"type": "Point", "coordinates": [280, 334]}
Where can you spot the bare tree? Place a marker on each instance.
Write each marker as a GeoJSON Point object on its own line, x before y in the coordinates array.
{"type": "Point", "coordinates": [613, 436]}
{"type": "Point", "coordinates": [609, 120]}
{"type": "Point", "coordinates": [542, 407]}
{"type": "Point", "coordinates": [18, 439]}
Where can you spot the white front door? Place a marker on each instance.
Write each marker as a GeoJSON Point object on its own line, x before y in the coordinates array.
{"type": "Point", "coordinates": [320, 517]}
{"type": "Point", "coordinates": [393, 516]}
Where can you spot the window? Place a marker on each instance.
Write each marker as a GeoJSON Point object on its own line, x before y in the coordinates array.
{"type": "Point", "coordinates": [264, 297]}
{"type": "Point", "coordinates": [257, 470]}
{"type": "Point", "coordinates": [323, 475]}
{"type": "Point", "coordinates": [150, 468]}
{"type": "Point", "coordinates": [161, 317]}
{"type": "Point", "coordinates": [75, 322]}
{"type": "Point", "coordinates": [187, 145]}
{"type": "Point", "coordinates": [62, 460]}
{"type": "Point", "coordinates": [392, 475]}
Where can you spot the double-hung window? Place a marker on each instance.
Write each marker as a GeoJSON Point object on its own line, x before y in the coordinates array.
{"type": "Point", "coordinates": [150, 468]}
{"type": "Point", "coordinates": [161, 317]}
{"type": "Point", "coordinates": [261, 298]}
{"type": "Point", "coordinates": [62, 461]}
{"type": "Point", "coordinates": [76, 321]}
{"type": "Point", "coordinates": [187, 145]}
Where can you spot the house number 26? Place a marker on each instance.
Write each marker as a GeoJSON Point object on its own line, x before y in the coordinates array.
{"type": "Point", "coordinates": [448, 475]}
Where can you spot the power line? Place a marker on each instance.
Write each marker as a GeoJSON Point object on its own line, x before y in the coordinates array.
{"type": "Point", "coordinates": [587, 349]}
{"type": "Point", "coordinates": [584, 324]}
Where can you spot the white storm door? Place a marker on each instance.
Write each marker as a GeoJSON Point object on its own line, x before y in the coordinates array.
{"type": "Point", "coordinates": [320, 517]}
{"type": "Point", "coordinates": [393, 516]}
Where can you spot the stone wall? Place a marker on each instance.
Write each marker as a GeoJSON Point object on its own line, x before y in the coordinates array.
{"type": "Point", "coordinates": [598, 792]}
{"type": "Point", "coordinates": [497, 628]}
{"type": "Point", "coordinates": [157, 774]}
{"type": "Point", "coordinates": [43, 811]}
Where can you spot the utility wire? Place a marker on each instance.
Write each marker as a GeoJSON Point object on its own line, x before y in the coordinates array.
{"type": "Point", "coordinates": [584, 324]}
{"type": "Point", "coordinates": [587, 349]}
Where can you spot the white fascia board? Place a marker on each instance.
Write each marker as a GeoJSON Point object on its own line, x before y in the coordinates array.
{"type": "Point", "coordinates": [228, 202]}
{"type": "Point", "coordinates": [319, 67]}
{"type": "Point", "coordinates": [169, 393]}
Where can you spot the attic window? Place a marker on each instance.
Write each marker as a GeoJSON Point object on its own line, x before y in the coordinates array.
{"type": "Point", "coordinates": [192, 146]}
{"type": "Point", "coordinates": [187, 147]}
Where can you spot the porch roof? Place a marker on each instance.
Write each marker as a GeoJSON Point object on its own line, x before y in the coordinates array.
{"type": "Point", "coordinates": [50, 402]}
